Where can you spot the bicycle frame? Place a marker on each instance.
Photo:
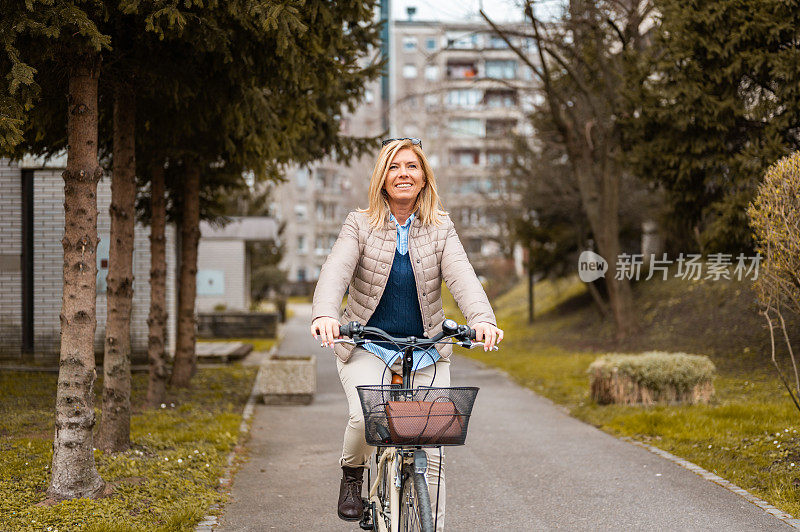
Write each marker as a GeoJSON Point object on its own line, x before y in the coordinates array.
{"type": "Point", "coordinates": [392, 459]}
{"type": "Point", "coordinates": [388, 458]}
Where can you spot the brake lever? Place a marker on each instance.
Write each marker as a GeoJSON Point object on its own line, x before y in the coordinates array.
{"type": "Point", "coordinates": [344, 341]}
{"type": "Point", "coordinates": [468, 344]}
{"type": "Point", "coordinates": [472, 345]}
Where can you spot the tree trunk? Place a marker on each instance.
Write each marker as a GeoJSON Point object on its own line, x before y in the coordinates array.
{"type": "Point", "coordinates": [115, 422]}
{"type": "Point", "coordinates": [157, 321]}
{"type": "Point", "coordinates": [74, 474]}
{"type": "Point", "coordinates": [530, 287]}
{"type": "Point", "coordinates": [598, 182]}
{"type": "Point", "coordinates": [620, 296]}
{"type": "Point", "coordinates": [185, 357]}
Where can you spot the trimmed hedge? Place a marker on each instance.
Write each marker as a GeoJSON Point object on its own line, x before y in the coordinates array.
{"type": "Point", "coordinates": [653, 377]}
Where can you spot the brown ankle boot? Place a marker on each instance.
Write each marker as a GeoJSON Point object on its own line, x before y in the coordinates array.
{"type": "Point", "coordinates": [351, 506]}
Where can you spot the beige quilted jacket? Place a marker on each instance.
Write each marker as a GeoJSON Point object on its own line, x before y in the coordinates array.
{"type": "Point", "coordinates": [362, 258]}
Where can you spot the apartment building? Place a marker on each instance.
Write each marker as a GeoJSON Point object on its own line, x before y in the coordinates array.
{"type": "Point", "coordinates": [314, 201]}
{"type": "Point", "coordinates": [459, 88]}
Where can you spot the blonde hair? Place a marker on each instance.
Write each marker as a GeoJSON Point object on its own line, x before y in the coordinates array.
{"type": "Point", "coordinates": [428, 206]}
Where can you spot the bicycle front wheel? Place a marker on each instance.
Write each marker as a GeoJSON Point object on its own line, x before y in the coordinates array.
{"type": "Point", "coordinates": [415, 502]}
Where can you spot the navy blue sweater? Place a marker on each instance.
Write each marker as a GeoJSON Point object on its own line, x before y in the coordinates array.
{"type": "Point", "coordinates": [398, 310]}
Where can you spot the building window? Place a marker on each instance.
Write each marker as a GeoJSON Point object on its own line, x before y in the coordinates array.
{"type": "Point", "coordinates": [500, 98]}
{"type": "Point", "coordinates": [409, 71]}
{"type": "Point", "coordinates": [410, 102]}
{"type": "Point", "coordinates": [462, 41]}
{"type": "Point", "coordinates": [497, 42]}
{"type": "Point", "coordinates": [431, 101]}
{"type": "Point", "coordinates": [301, 178]}
{"type": "Point", "coordinates": [325, 211]}
{"type": "Point", "coordinates": [431, 73]}
{"type": "Point", "coordinates": [467, 127]}
{"type": "Point", "coordinates": [409, 44]}
{"type": "Point", "coordinates": [301, 274]}
{"type": "Point", "coordinates": [474, 245]}
{"type": "Point", "coordinates": [430, 44]}
{"type": "Point", "coordinates": [301, 212]}
{"type": "Point", "coordinates": [464, 98]}
{"type": "Point", "coordinates": [500, 127]}
{"type": "Point", "coordinates": [498, 158]}
{"type": "Point", "coordinates": [327, 179]}
{"type": "Point", "coordinates": [465, 157]}
{"type": "Point", "coordinates": [301, 244]}
{"type": "Point", "coordinates": [528, 102]}
{"type": "Point", "coordinates": [461, 70]}
{"type": "Point", "coordinates": [369, 96]}
{"type": "Point", "coordinates": [323, 245]}
{"type": "Point", "coordinates": [526, 73]}
{"type": "Point", "coordinates": [501, 69]}
{"type": "Point", "coordinates": [476, 185]}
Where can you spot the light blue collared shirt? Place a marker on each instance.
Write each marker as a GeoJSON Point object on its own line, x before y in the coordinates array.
{"type": "Point", "coordinates": [402, 232]}
{"type": "Point", "coordinates": [422, 357]}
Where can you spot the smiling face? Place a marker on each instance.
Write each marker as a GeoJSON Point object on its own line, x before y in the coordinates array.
{"type": "Point", "coordinates": [404, 179]}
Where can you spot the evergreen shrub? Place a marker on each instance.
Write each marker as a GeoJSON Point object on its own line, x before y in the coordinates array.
{"type": "Point", "coordinates": [653, 377]}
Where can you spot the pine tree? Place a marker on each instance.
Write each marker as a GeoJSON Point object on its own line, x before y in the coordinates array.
{"type": "Point", "coordinates": [57, 45]}
{"type": "Point", "coordinates": [275, 79]}
{"type": "Point", "coordinates": [721, 103]}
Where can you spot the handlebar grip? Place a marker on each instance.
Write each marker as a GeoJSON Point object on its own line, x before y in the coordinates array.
{"type": "Point", "coordinates": [466, 332]}
{"type": "Point", "coordinates": [349, 329]}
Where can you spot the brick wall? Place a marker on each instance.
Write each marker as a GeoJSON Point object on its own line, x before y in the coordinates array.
{"type": "Point", "coordinates": [48, 228]}
{"type": "Point", "coordinates": [48, 259]}
{"type": "Point", "coordinates": [10, 247]}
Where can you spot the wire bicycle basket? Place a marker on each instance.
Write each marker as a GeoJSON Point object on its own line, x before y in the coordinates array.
{"type": "Point", "coordinates": [424, 416]}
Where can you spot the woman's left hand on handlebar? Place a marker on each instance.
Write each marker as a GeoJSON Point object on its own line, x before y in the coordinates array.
{"type": "Point", "coordinates": [488, 334]}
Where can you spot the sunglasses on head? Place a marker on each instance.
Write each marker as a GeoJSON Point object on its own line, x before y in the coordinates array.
{"type": "Point", "coordinates": [415, 141]}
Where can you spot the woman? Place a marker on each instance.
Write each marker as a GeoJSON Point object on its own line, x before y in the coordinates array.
{"type": "Point", "coordinates": [393, 257]}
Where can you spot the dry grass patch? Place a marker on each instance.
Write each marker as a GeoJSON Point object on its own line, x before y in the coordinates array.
{"type": "Point", "coordinates": [650, 378]}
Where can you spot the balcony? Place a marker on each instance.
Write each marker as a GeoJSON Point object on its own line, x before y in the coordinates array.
{"type": "Point", "coordinates": [465, 70]}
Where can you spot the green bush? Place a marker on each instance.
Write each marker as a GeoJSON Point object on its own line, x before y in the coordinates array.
{"type": "Point", "coordinates": [657, 370]}
{"type": "Point", "coordinates": [653, 377]}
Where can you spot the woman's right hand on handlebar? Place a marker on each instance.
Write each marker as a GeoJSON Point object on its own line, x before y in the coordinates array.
{"type": "Point", "coordinates": [325, 329]}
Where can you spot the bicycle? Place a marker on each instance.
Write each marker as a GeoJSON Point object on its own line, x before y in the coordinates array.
{"type": "Point", "coordinates": [400, 421]}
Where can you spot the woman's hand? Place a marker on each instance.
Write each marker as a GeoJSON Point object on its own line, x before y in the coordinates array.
{"type": "Point", "coordinates": [488, 334]}
{"type": "Point", "coordinates": [325, 329]}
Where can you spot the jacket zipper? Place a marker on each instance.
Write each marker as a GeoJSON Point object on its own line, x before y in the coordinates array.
{"type": "Point", "coordinates": [391, 263]}
{"type": "Point", "coordinates": [419, 298]}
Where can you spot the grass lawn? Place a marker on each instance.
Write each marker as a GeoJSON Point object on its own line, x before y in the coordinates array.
{"type": "Point", "coordinates": [167, 481]}
{"type": "Point", "coordinates": [747, 434]}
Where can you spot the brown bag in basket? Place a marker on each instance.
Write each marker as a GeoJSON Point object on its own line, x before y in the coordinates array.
{"type": "Point", "coordinates": [424, 422]}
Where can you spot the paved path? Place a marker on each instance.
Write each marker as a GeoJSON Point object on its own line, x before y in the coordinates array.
{"type": "Point", "coordinates": [526, 466]}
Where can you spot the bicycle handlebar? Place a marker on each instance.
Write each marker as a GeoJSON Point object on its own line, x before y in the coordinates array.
{"type": "Point", "coordinates": [450, 329]}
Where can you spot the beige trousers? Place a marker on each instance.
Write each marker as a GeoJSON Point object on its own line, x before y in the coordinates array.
{"type": "Point", "coordinates": [365, 368]}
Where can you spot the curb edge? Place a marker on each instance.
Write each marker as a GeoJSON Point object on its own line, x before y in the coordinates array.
{"type": "Point", "coordinates": [716, 479]}
{"type": "Point", "coordinates": [208, 522]}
